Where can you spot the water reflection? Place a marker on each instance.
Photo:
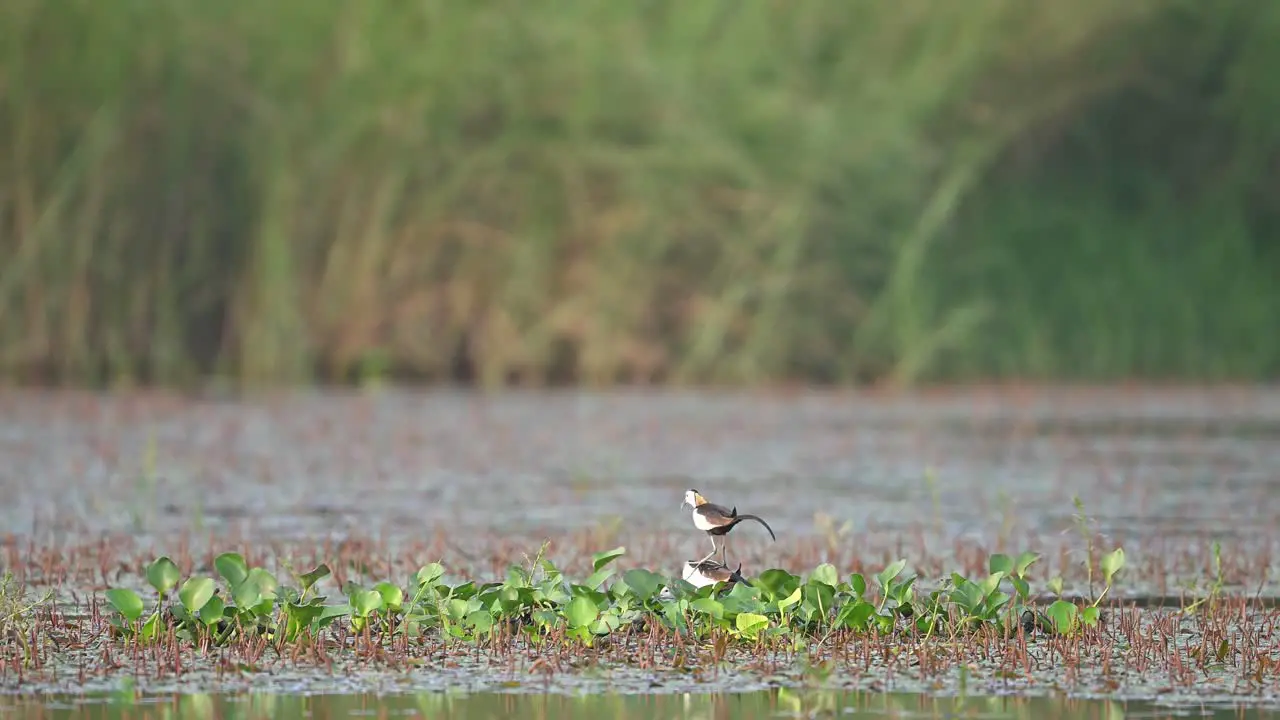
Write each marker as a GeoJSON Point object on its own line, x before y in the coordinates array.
{"type": "Point", "coordinates": [497, 706]}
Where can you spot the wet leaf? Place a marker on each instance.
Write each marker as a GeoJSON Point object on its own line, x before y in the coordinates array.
{"type": "Point", "coordinates": [855, 615]}
{"type": "Point", "coordinates": [480, 621]}
{"type": "Point", "coordinates": [598, 577]}
{"type": "Point", "coordinates": [790, 600]}
{"type": "Point", "coordinates": [212, 611]}
{"type": "Point", "coordinates": [366, 602]}
{"type": "Point", "coordinates": [265, 581]}
{"type": "Point", "coordinates": [778, 583]}
{"type": "Point", "coordinates": [309, 579]}
{"type": "Point", "coordinates": [151, 628]}
{"type": "Point", "coordinates": [1025, 560]}
{"type": "Point", "coordinates": [246, 594]}
{"type": "Point", "coordinates": [599, 560]}
{"type": "Point", "coordinates": [1112, 562]}
{"type": "Point", "coordinates": [581, 612]}
{"type": "Point", "coordinates": [1021, 586]}
{"type": "Point", "coordinates": [428, 573]}
{"type": "Point", "coordinates": [750, 624]}
{"type": "Point", "coordinates": [826, 574]}
{"type": "Point", "coordinates": [858, 584]}
{"type": "Point", "coordinates": [1000, 563]}
{"type": "Point", "coordinates": [889, 573]}
{"type": "Point", "coordinates": [126, 602]}
{"type": "Point", "coordinates": [330, 612]}
{"type": "Point", "coordinates": [1063, 616]}
{"type": "Point", "coordinates": [195, 593]}
{"type": "Point", "coordinates": [303, 615]}
{"type": "Point", "coordinates": [1089, 616]}
{"type": "Point", "coordinates": [992, 582]}
{"type": "Point", "coordinates": [232, 568]}
{"type": "Point", "coordinates": [392, 595]}
{"type": "Point", "coordinates": [163, 574]}
{"type": "Point", "coordinates": [820, 596]}
{"type": "Point", "coordinates": [643, 584]}
{"type": "Point", "coordinates": [708, 606]}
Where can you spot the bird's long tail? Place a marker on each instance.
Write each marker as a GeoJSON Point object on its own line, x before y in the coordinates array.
{"type": "Point", "coordinates": [737, 575]}
{"type": "Point", "coordinates": [745, 516]}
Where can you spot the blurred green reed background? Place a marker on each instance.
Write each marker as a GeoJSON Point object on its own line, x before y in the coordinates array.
{"type": "Point", "coordinates": [708, 191]}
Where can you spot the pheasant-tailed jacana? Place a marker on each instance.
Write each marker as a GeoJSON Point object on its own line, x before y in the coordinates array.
{"type": "Point", "coordinates": [709, 572]}
{"type": "Point", "coordinates": [717, 520]}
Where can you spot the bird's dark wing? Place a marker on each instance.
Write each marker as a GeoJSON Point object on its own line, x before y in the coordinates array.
{"type": "Point", "coordinates": [716, 514]}
{"type": "Point", "coordinates": [714, 570]}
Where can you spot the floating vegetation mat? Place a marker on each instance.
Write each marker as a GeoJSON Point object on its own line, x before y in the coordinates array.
{"type": "Point", "coordinates": [235, 624]}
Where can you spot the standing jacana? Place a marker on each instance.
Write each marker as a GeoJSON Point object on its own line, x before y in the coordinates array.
{"type": "Point", "coordinates": [717, 520]}
{"type": "Point", "coordinates": [705, 572]}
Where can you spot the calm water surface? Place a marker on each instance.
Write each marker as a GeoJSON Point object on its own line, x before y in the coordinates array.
{"type": "Point", "coordinates": [1160, 464]}
{"type": "Point", "coordinates": [498, 706]}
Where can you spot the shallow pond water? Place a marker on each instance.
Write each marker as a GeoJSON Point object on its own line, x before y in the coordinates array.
{"type": "Point", "coordinates": [1155, 467]}
{"type": "Point", "coordinates": [94, 486]}
{"type": "Point", "coordinates": [520, 706]}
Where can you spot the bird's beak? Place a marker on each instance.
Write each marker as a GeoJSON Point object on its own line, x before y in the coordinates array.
{"type": "Point", "coordinates": [683, 503]}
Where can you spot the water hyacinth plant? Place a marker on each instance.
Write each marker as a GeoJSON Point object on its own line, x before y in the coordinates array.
{"type": "Point", "coordinates": [537, 604]}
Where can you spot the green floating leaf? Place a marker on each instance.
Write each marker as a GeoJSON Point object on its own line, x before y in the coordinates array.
{"type": "Point", "coordinates": [163, 574]}
{"type": "Point", "coordinates": [1111, 564]}
{"type": "Point", "coordinates": [643, 584]}
{"type": "Point", "coordinates": [708, 606]}
{"type": "Point", "coordinates": [598, 577]}
{"type": "Point", "coordinates": [856, 615]}
{"type": "Point", "coordinates": [195, 593]}
{"type": "Point", "coordinates": [366, 602]}
{"type": "Point", "coordinates": [151, 628]}
{"type": "Point", "coordinates": [607, 623]}
{"type": "Point", "coordinates": [889, 573]}
{"type": "Point", "coordinates": [1063, 616]}
{"type": "Point", "coordinates": [992, 582]}
{"type": "Point", "coordinates": [330, 612]}
{"type": "Point", "coordinates": [819, 596]}
{"type": "Point", "coordinates": [1089, 616]}
{"type": "Point", "coordinates": [674, 612]}
{"type": "Point", "coordinates": [213, 610]}
{"type": "Point", "coordinates": [303, 615]}
{"type": "Point", "coordinates": [126, 602]}
{"type": "Point", "coordinates": [778, 583]}
{"type": "Point", "coordinates": [599, 560]}
{"type": "Point", "coordinates": [1025, 560]}
{"type": "Point", "coordinates": [392, 595]}
{"type": "Point", "coordinates": [232, 567]}
{"type": "Point", "coordinates": [750, 624]}
{"type": "Point", "coordinates": [266, 582]}
{"type": "Point", "coordinates": [457, 609]}
{"type": "Point", "coordinates": [1000, 563]}
{"type": "Point", "coordinates": [825, 574]}
{"type": "Point", "coordinates": [309, 579]}
{"type": "Point", "coordinates": [428, 573]}
{"type": "Point", "coordinates": [1024, 589]}
{"type": "Point", "coordinates": [581, 612]}
{"type": "Point", "coordinates": [858, 584]}
{"type": "Point", "coordinates": [480, 621]}
{"type": "Point", "coordinates": [247, 594]}
{"type": "Point", "coordinates": [790, 600]}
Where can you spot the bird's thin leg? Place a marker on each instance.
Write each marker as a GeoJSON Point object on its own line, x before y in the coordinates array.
{"type": "Point", "coordinates": [723, 546]}
{"type": "Point", "coordinates": [713, 550]}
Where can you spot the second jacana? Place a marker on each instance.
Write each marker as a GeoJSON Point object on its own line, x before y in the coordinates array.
{"type": "Point", "coordinates": [717, 520]}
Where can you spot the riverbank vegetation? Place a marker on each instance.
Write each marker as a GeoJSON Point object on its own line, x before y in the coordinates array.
{"type": "Point", "coordinates": [513, 191]}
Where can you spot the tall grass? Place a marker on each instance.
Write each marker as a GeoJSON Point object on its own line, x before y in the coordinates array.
{"type": "Point", "coordinates": [714, 190]}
